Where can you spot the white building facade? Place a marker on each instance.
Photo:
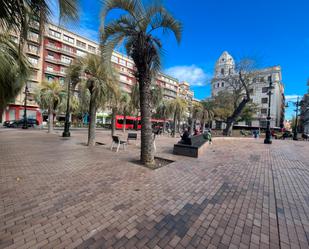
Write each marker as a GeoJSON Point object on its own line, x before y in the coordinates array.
{"type": "Point", "coordinates": [225, 69]}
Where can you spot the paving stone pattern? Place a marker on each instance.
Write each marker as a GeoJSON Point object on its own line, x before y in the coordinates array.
{"type": "Point", "coordinates": [57, 193]}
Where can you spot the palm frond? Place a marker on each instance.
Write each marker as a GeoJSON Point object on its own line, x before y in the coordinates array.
{"type": "Point", "coordinates": [133, 7]}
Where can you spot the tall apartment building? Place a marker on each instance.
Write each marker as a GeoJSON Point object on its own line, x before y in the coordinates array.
{"type": "Point", "coordinates": [225, 69]}
{"type": "Point", "coordinates": [51, 54]}
{"type": "Point", "coordinates": [304, 114]}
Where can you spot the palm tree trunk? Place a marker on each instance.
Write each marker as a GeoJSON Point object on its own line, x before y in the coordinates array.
{"type": "Point", "coordinates": [113, 121]}
{"type": "Point", "coordinates": [50, 121]}
{"type": "Point", "coordinates": [124, 123]}
{"type": "Point", "coordinates": [92, 120]}
{"type": "Point", "coordinates": [147, 152]}
{"type": "Point", "coordinates": [174, 132]}
{"type": "Point", "coordinates": [1, 114]}
{"type": "Point", "coordinates": [164, 123]}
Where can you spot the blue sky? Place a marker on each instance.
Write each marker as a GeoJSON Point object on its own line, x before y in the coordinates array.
{"type": "Point", "coordinates": [274, 32]}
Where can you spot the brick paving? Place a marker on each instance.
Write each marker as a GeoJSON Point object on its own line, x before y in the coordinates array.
{"type": "Point", "coordinates": [57, 193]}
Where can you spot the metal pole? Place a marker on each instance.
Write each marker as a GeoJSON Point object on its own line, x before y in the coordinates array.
{"type": "Point", "coordinates": [25, 124]}
{"type": "Point", "coordinates": [66, 132]}
{"type": "Point", "coordinates": [296, 119]}
{"type": "Point", "coordinates": [267, 139]}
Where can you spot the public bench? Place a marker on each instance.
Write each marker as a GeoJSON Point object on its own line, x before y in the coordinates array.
{"type": "Point", "coordinates": [193, 148]}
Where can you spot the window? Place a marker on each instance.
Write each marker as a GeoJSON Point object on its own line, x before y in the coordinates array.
{"type": "Point", "coordinates": [122, 62]}
{"type": "Point", "coordinates": [68, 39]}
{"type": "Point", "coordinates": [264, 111]}
{"type": "Point", "coordinates": [251, 91]}
{"type": "Point", "coordinates": [114, 59]}
{"type": "Point", "coordinates": [49, 68]}
{"type": "Point", "coordinates": [66, 59]}
{"type": "Point", "coordinates": [33, 61]}
{"type": "Point", "coordinates": [222, 84]}
{"type": "Point", "coordinates": [62, 69]}
{"type": "Point", "coordinates": [50, 55]}
{"type": "Point", "coordinates": [262, 79]}
{"type": "Point", "coordinates": [33, 36]}
{"type": "Point", "coordinates": [218, 85]}
{"type": "Point", "coordinates": [61, 80]}
{"type": "Point", "coordinates": [80, 44]}
{"type": "Point", "coordinates": [263, 123]}
{"type": "Point", "coordinates": [264, 89]}
{"type": "Point", "coordinates": [222, 71]}
{"type": "Point", "coordinates": [49, 78]}
{"type": "Point", "coordinates": [130, 65]}
{"type": "Point", "coordinates": [264, 100]}
{"type": "Point", "coordinates": [54, 33]}
{"type": "Point", "coordinates": [80, 53]}
{"type": "Point", "coordinates": [67, 48]}
{"type": "Point", "coordinates": [91, 49]}
{"type": "Point", "coordinates": [33, 49]}
{"type": "Point", "coordinates": [269, 78]}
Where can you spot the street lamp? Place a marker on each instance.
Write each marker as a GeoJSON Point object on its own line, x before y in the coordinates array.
{"type": "Point", "coordinates": [267, 139]}
{"type": "Point", "coordinates": [297, 104]}
{"type": "Point", "coordinates": [66, 132]}
{"type": "Point", "coordinates": [25, 124]}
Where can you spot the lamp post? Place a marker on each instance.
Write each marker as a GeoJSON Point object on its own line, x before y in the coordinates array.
{"type": "Point", "coordinates": [297, 104]}
{"type": "Point", "coordinates": [66, 132]}
{"type": "Point", "coordinates": [267, 139]}
{"type": "Point", "coordinates": [25, 124]}
{"type": "Point", "coordinates": [296, 119]}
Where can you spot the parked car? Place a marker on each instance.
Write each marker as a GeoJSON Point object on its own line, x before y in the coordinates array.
{"type": "Point", "coordinates": [7, 123]}
{"type": "Point", "coordinates": [19, 123]}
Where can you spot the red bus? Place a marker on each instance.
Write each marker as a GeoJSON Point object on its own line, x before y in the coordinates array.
{"type": "Point", "coordinates": [131, 122]}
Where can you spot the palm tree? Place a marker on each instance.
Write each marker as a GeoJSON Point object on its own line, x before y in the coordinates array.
{"type": "Point", "coordinates": [177, 107]}
{"type": "Point", "coordinates": [196, 115]}
{"type": "Point", "coordinates": [163, 112]}
{"type": "Point", "coordinates": [14, 70]}
{"type": "Point", "coordinates": [98, 81]}
{"type": "Point", "coordinates": [136, 28]}
{"type": "Point", "coordinates": [49, 96]}
{"type": "Point", "coordinates": [97, 84]}
{"type": "Point", "coordinates": [125, 107]}
{"type": "Point", "coordinates": [207, 113]}
{"type": "Point", "coordinates": [17, 15]}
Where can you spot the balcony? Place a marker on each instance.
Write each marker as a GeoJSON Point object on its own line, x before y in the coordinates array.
{"type": "Point", "coordinates": [57, 61]}
{"type": "Point", "coordinates": [33, 52]}
{"type": "Point", "coordinates": [33, 38]}
{"type": "Point", "coordinates": [62, 50]}
{"type": "Point", "coordinates": [53, 72]}
{"type": "Point", "coordinates": [35, 25]}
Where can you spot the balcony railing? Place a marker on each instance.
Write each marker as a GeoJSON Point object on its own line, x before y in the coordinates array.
{"type": "Point", "coordinates": [57, 61]}
{"type": "Point", "coordinates": [58, 73]}
{"type": "Point", "coordinates": [33, 38]}
{"type": "Point", "coordinates": [58, 49]}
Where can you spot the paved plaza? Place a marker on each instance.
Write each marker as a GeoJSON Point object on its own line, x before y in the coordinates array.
{"type": "Point", "coordinates": [58, 193]}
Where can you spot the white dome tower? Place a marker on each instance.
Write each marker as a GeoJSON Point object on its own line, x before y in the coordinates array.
{"type": "Point", "coordinates": [225, 65]}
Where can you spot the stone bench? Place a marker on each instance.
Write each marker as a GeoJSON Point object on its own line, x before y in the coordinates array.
{"type": "Point", "coordinates": [193, 148]}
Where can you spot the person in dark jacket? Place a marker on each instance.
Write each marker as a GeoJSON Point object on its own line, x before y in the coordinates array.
{"type": "Point", "coordinates": [185, 138]}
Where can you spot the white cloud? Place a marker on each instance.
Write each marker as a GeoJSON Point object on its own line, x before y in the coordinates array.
{"type": "Point", "coordinates": [193, 74]}
{"type": "Point", "coordinates": [292, 97]}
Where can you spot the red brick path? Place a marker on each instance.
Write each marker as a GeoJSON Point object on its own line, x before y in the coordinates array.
{"type": "Point", "coordinates": [57, 193]}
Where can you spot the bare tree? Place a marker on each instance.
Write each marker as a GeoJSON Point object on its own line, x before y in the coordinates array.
{"type": "Point", "coordinates": [240, 86]}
